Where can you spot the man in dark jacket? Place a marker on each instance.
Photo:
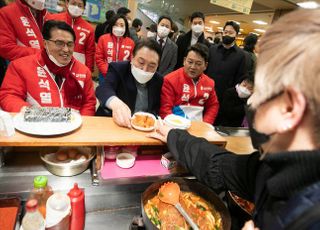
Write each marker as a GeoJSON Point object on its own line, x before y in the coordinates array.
{"type": "Point", "coordinates": [101, 28]}
{"type": "Point", "coordinates": [196, 34]}
{"type": "Point", "coordinates": [134, 29]}
{"type": "Point", "coordinates": [132, 87]}
{"type": "Point", "coordinates": [232, 107]}
{"type": "Point", "coordinates": [227, 62]}
{"type": "Point", "coordinates": [169, 48]}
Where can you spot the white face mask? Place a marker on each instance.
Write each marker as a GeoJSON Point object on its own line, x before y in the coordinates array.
{"type": "Point", "coordinates": [140, 75]}
{"type": "Point", "coordinates": [151, 34]}
{"type": "Point", "coordinates": [163, 31]}
{"type": "Point", "coordinates": [59, 8]}
{"type": "Point", "coordinates": [118, 31]}
{"type": "Point", "coordinates": [242, 91]}
{"type": "Point", "coordinates": [36, 4]}
{"type": "Point", "coordinates": [75, 11]}
{"type": "Point", "coordinates": [198, 29]}
{"type": "Point", "coordinates": [54, 60]}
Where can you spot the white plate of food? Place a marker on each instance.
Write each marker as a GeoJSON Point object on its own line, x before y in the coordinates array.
{"type": "Point", "coordinates": [143, 121]}
{"type": "Point", "coordinates": [177, 122]}
{"type": "Point", "coordinates": [47, 121]}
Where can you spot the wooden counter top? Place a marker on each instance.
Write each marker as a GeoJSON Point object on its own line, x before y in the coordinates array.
{"type": "Point", "coordinates": [239, 145]}
{"type": "Point", "coordinates": [98, 131]}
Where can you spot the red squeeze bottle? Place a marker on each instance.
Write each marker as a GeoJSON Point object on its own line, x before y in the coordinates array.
{"type": "Point", "coordinates": [78, 208]}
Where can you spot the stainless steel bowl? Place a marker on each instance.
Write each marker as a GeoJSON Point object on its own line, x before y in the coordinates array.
{"type": "Point", "coordinates": [61, 169]}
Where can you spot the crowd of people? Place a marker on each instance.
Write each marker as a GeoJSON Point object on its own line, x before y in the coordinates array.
{"type": "Point", "coordinates": [50, 61]}
{"type": "Point", "coordinates": [186, 74]}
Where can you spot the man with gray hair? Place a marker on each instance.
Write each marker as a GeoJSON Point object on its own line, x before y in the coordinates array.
{"type": "Point", "coordinates": [283, 178]}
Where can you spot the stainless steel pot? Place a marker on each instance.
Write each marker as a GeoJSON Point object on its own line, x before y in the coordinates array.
{"type": "Point", "coordinates": [60, 169]}
{"type": "Point", "coordinates": [189, 186]}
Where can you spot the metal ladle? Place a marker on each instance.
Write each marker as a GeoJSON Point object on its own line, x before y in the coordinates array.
{"type": "Point", "coordinates": [169, 193]}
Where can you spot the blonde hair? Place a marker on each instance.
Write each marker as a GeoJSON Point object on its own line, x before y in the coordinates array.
{"type": "Point", "coordinates": [289, 55]}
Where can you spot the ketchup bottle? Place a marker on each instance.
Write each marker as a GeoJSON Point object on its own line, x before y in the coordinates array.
{"type": "Point", "coordinates": [78, 208]}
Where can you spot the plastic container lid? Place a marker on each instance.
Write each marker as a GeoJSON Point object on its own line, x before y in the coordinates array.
{"type": "Point", "coordinates": [40, 181]}
{"type": "Point", "coordinates": [58, 202]}
{"type": "Point", "coordinates": [31, 205]}
{"type": "Point", "coordinates": [75, 191]}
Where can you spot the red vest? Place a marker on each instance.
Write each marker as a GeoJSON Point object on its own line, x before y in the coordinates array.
{"type": "Point", "coordinates": [19, 32]}
{"type": "Point", "coordinates": [179, 89]}
{"type": "Point", "coordinates": [28, 82]}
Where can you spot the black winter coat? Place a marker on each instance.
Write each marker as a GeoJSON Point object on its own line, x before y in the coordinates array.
{"type": "Point", "coordinates": [121, 83]}
{"type": "Point", "coordinates": [183, 44]}
{"type": "Point", "coordinates": [231, 112]}
{"type": "Point", "coordinates": [269, 183]}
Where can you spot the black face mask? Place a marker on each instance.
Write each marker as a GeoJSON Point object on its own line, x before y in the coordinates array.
{"type": "Point", "coordinates": [257, 138]}
{"type": "Point", "coordinates": [227, 40]}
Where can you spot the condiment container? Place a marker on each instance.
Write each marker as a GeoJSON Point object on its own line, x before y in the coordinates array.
{"type": "Point", "coordinates": [58, 212]}
{"type": "Point", "coordinates": [41, 192]}
{"type": "Point", "coordinates": [111, 152]}
{"type": "Point", "coordinates": [125, 160]}
{"type": "Point", "coordinates": [6, 124]}
{"type": "Point", "coordinates": [32, 220]}
{"type": "Point", "coordinates": [132, 149]}
{"type": "Point", "coordinates": [78, 208]}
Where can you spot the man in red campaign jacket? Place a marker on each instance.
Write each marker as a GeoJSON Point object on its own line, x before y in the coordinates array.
{"type": "Point", "coordinates": [51, 78]}
{"type": "Point", "coordinates": [84, 49]}
{"type": "Point", "coordinates": [20, 28]}
{"type": "Point", "coordinates": [187, 91]}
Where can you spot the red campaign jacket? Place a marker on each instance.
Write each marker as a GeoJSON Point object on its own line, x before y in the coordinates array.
{"type": "Point", "coordinates": [20, 34]}
{"type": "Point", "coordinates": [28, 82]}
{"type": "Point", "coordinates": [85, 46]}
{"type": "Point", "coordinates": [107, 51]}
{"type": "Point", "coordinates": [179, 89]}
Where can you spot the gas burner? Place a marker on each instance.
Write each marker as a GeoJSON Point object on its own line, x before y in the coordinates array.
{"type": "Point", "coordinates": [137, 223]}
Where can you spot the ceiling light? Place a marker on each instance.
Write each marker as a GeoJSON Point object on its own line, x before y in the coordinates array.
{"type": "Point", "coordinates": [260, 30]}
{"type": "Point", "coordinates": [214, 22]}
{"type": "Point", "coordinates": [255, 33]}
{"type": "Point", "coordinates": [220, 28]}
{"type": "Point", "coordinates": [241, 29]}
{"type": "Point", "coordinates": [308, 5]}
{"type": "Point", "coordinates": [259, 22]}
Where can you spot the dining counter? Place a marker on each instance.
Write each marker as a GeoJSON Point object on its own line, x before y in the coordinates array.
{"type": "Point", "coordinates": [102, 131]}
{"type": "Point", "coordinates": [114, 201]}
{"type": "Point", "coordinates": [239, 145]}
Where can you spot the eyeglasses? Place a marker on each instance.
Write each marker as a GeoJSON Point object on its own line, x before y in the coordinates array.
{"type": "Point", "coordinates": [60, 44]}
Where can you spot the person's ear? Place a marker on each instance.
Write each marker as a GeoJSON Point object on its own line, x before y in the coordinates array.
{"type": "Point", "coordinates": [184, 61]}
{"type": "Point", "coordinates": [292, 109]}
{"type": "Point", "coordinates": [45, 44]}
{"type": "Point", "coordinates": [205, 65]}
